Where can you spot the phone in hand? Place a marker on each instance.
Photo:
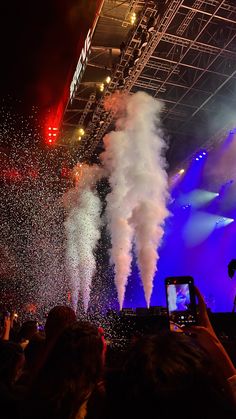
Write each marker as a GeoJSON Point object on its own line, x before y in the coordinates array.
{"type": "Point", "coordinates": [181, 302]}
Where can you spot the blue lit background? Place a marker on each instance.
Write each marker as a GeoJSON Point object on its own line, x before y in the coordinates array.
{"type": "Point", "coordinates": [200, 236]}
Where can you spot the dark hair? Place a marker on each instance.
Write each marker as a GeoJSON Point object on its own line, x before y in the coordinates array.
{"type": "Point", "coordinates": [34, 349]}
{"type": "Point", "coordinates": [27, 330]}
{"type": "Point", "coordinates": [70, 372]}
{"type": "Point", "coordinates": [10, 354]}
{"type": "Point", "coordinates": [58, 318]}
{"type": "Point", "coordinates": [169, 370]}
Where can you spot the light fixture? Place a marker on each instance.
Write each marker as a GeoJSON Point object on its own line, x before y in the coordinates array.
{"type": "Point", "coordinates": [181, 172]}
{"type": "Point", "coordinates": [101, 87]}
{"type": "Point", "coordinates": [151, 24]}
{"type": "Point", "coordinates": [81, 132]}
{"type": "Point", "coordinates": [133, 18]}
{"type": "Point", "coordinates": [108, 79]}
{"type": "Point", "coordinates": [144, 39]}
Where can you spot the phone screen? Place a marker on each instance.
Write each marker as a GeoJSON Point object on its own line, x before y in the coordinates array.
{"type": "Point", "coordinates": [181, 300]}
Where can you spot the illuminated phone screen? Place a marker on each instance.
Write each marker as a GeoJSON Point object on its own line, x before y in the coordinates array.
{"type": "Point", "coordinates": [181, 301]}
{"type": "Point", "coordinates": [178, 297]}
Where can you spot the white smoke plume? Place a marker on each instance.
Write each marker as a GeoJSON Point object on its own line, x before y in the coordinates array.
{"type": "Point", "coordinates": [82, 231]}
{"type": "Point", "coordinates": [136, 206]}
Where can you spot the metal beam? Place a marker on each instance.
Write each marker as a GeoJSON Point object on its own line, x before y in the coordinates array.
{"type": "Point", "coordinates": [198, 78]}
{"type": "Point", "coordinates": [154, 66]}
{"type": "Point", "coordinates": [195, 10]}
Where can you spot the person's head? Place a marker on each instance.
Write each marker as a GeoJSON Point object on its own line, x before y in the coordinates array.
{"type": "Point", "coordinates": [169, 373]}
{"type": "Point", "coordinates": [71, 371]}
{"type": "Point", "coordinates": [27, 330]}
{"type": "Point", "coordinates": [58, 318]}
{"type": "Point", "coordinates": [33, 351]}
{"type": "Point", "coordinates": [11, 362]}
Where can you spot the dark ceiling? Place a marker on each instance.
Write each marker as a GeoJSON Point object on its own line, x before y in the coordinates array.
{"type": "Point", "coordinates": [189, 62]}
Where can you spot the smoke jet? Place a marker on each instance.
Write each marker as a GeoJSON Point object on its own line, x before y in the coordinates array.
{"type": "Point", "coordinates": [137, 204]}
{"type": "Point", "coordinates": [82, 231]}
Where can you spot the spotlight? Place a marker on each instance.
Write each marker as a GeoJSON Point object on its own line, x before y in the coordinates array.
{"type": "Point", "coordinates": [108, 79]}
{"type": "Point", "coordinates": [181, 172]}
{"type": "Point", "coordinates": [136, 56]}
{"type": "Point", "coordinates": [197, 159]}
{"type": "Point", "coordinates": [144, 39]}
{"type": "Point", "coordinates": [81, 132]}
{"type": "Point", "coordinates": [200, 156]}
{"type": "Point", "coordinates": [126, 72]}
{"type": "Point", "coordinates": [151, 24]}
{"type": "Point", "coordinates": [121, 84]}
{"type": "Point", "coordinates": [101, 87]}
{"type": "Point", "coordinates": [133, 18]}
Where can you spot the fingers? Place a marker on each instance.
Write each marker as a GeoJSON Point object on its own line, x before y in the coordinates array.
{"type": "Point", "coordinates": [200, 298]}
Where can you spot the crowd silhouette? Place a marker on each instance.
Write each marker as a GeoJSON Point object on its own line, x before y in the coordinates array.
{"type": "Point", "coordinates": [68, 370]}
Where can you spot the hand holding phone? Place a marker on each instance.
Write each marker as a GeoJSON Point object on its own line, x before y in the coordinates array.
{"type": "Point", "coordinates": [181, 303]}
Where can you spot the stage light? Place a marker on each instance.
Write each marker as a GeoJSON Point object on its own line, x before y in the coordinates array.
{"type": "Point", "coordinates": [81, 132]}
{"type": "Point", "coordinates": [52, 132]}
{"type": "Point", "coordinates": [108, 79]}
{"type": "Point", "coordinates": [126, 72]}
{"type": "Point", "coordinates": [101, 87]}
{"type": "Point", "coordinates": [144, 39]}
{"type": "Point", "coordinates": [223, 222]}
{"type": "Point", "coordinates": [200, 155]}
{"type": "Point", "coordinates": [197, 198]}
{"type": "Point", "coordinates": [120, 84]}
{"type": "Point", "coordinates": [181, 172]}
{"type": "Point", "coordinates": [151, 24]}
{"type": "Point", "coordinates": [133, 18]}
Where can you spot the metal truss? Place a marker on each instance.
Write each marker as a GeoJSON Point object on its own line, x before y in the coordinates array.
{"type": "Point", "coordinates": [133, 43]}
{"type": "Point", "coordinates": [186, 68]}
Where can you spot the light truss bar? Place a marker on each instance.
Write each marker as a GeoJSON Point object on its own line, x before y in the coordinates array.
{"type": "Point", "coordinates": [193, 42]}
{"type": "Point", "coordinates": [213, 94]}
{"type": "Point", "coordinates": [165, 21]}
{"type": "Point", "coordinates": [195, 11]}
{"type": "Point", "coordinates": [158, 66]}
{"type": "Point", "coordinates": [198, 78]}
{"type": "Point", "coordinates": [189, 17]}
{"type": "Point", "coordinates": [198, 46]}
{"type": "Point", "coordinates": [87, 109]}
{"type": "Point", "coordinates": [155, 85]}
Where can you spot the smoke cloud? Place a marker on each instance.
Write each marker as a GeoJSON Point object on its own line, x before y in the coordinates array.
{"type": "Point", "coordinates": [136, 206]}
{"type": "Point", "coordinates": [82, 231]}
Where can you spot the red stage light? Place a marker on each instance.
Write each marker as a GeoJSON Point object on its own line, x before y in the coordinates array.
{"type": "Point", "coordinates": [50, 134]}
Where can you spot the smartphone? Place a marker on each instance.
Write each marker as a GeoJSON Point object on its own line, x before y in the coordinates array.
{"type": "Point", "coordinates": [181, 302]}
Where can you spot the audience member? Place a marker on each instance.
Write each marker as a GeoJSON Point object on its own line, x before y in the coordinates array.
{"type": "Point", "coordinates": [70, 376]}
